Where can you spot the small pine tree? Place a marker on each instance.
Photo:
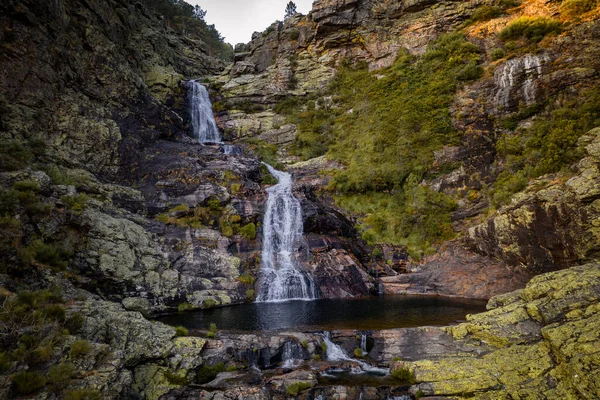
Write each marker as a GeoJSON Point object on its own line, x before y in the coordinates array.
{"type": "Point", "coordinates": [290, 10]}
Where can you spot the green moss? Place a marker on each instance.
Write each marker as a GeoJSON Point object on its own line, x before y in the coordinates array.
{"type": "Point", "coordinates": [181, 331]}
{"type": "Point", "coordinates": [532, 29]}
{"type": "Point", "coordinates": [82, 394]}
{"type": "Point", "coordinates": [80, 348]}
{"type": "Point", "coordinates": [297, 387]}
{"type": "Point", "coordinates": [404, 374]}
{"type": "Point", "coordinates": [358, 352]}
{"type": "Point", "coordinates": [248, 231]}
{"type": "Point", "coordinates": [250, 294]}
{"type": "Point", "coordinates": [209, 303]}
{"type": "Point", "coordinates": [207, 373]}
{"type": "Point", "coordinates": [175, 379]}
{"type": "Point", "coordinates": [184, 307]}
{"type": "Point", "coordinates": [28, 382]}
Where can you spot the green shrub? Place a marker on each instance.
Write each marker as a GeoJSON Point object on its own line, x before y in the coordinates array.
{"type": "Point", "coordinates": [250, 294]}
{"type": "Point", "coordinates": [247, 279]}
{"type": "Point", "coordinates": [181, 331]}
{"type": "Point", "coordinates": [419, 394]}
{"type": "Point", "coordinates": [294, 34]}
{"type": "Point", "coordinates": [574, 8]}
{"type": "Point", "coordinates": [76, 203]}
{"type": "Point", "coordinates": [28, 382]}
{"type": "Point", "coordinates": [404, 374]}
{"type": "Point", "coordinates": [533, 29]}
{"type": "Point", "coordinates": [80, 348]}
{"type": "Point", "coordinates": [48, 254]}
{"type": "Point", "coordinates": [82, 394]}
{"type": "Point", "coordinates": [5, 362]}
{"type": "Point", "coordinates": [248, 231]}
{"type": "Point", "coordinates": [55, 312]}
{"type": "Point", "coordinates": [304, 344]}
{"type": "Point", "coordinates": [214, 205]}
{"type": "Point", "coordinates": [14, 155]}
{"type": "Point", "coordinates": [485, 13]}
{"type": "Point", "coordinates": [497, 54]}
{"type": "Point", "coordinates": [297, 387]}
{"type": "Point", "coordinates": [27, 186]}
{"type": "Point", "coordinates": [9, 201]}
{"type": "Point", "coordinates": [507, 184]}
{"type": "Point", "coordinates": [59, 376]}
{"type": "Point", "coordinates": [207, 373]}
{"type": "Point", "coordinates": [75, 323]}
{"type": "Point", "coordinates": [358, 352]}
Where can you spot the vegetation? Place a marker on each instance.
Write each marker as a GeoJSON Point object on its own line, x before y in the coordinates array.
{"type": "Point", "coordinates": [28, 382]}
{"type": "Point", "coordinates": [52, 255]}
{"type": "Point", "coordinates": [548, 145]}
{"type": "Point", "coordinates": [297, 387]}
{"type": "Point", "coordinates": [14, 155]}
{"type": "Point", "coordinates": [212, 331]}
{"type": "Point", "coordinates": [404, 374]}
{"type": "Point", "coordinates": [60, 375]}
{"type": "Point", "coordinates": [82, 394]}
{"type": "Point", "coordinates": [80, 348]}
{"type": "Point", "coordinates": [248, 231]}
{"type": "Point", "coordinates": [358, 352]}
{"type": "Point", "coordinates": [175, 379]}
{"type": "Point", "coordinates": [181, 331]}
{"type": "Point", "coordinates": [574, 8]}
{"type": "Point", "coordinates": [189, 20]}
{"type": "Point", "coordinates": [207, 373]}
{"type": "Point", "coordinates": [532, 29]}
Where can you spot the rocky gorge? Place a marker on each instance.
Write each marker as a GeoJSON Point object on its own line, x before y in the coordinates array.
{"type": "Point", "coordinates": [112, 214]}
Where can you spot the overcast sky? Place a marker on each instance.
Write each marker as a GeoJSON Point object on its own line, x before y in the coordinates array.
{"type": "Point", "coordinates": [238, 19]}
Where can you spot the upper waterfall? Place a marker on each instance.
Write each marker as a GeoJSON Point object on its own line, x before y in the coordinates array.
{"type": "Point", "coordinates": [280, 277]}
{"type": "Point", "coordinates": [204, 127]}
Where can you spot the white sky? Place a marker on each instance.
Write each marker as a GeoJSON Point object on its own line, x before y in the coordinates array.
{"type": "Point", "coordinates": [236, 20]}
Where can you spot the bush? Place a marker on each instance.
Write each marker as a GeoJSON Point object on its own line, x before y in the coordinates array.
{"type": "Point", "coordinates": [28, 382]}
{"type": "Point", "coordinates": [404, 375]}
{"type": "Point", "coordinates": [497, 54]}
{"type": "Point", "coordinates": [181, 331]}
{"type": "Point", "coordinates": [75, 322]}
{"type": "Point", "coordinates": [27, 186]}
{"type": "Point", "coordinates": [574, 8]}
{"type": "Point", "coordinates": [5, 361]}
{"type": "Point", "coordinates": [76, 203]}
{"type": "Point", "coordinates": [207, 373]}
{"type": "Point", "coordinates": [14, 155]}
{"type": "Point", "coordinates": [358, 352]}
{"type": "Point", "coordinates": [250, 294]}
{"type": "Point", "coordinates": [485, 13]}
{"type": "Point", "coordinates": [248, 231]}
{"type": "Point", "coordinates": [48, 254]}
{"type": "Point", "coordinates": [533, 29]}
{"type": "Point", "coordinates": [9, 201]}
{"type": "Point", "coordinates": [184, 307]}
{"type": "Point", "coordinates": [55, 312]}
{"type": "Point", "coordinates": [297, 387]}
{"type": "Point", "coordinates": [82, 394]}
{"type": "Point", "coordinates": [247, 279]}
{"type": "Point", "coordinates": [80, 348]}
{"type": "Point", "coordinates": [59, 376]}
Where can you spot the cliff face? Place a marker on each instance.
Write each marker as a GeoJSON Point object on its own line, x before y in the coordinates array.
{"type": "Point", "coordinates": [498, 112]}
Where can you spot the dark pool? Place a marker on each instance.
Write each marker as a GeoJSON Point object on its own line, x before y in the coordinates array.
{"type": "Point", "coordinates": [382, 312]}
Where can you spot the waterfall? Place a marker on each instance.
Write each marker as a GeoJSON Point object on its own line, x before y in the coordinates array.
{"type": "Point", "coordinates": [280, 278]}
{"type": "Point", "coordinates": [363, 344]}
{"type": "Point", "coordinates": [204, 127]}
{"type": "Point", "coordinates": [336, 353]}
{"type": "Point", "coordinates": [518, 74]}
{"type": "Point", "coordinates": [292, 355]}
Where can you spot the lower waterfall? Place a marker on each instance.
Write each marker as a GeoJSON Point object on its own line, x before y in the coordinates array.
{"type": "Point", "coordinates": [280, 277]}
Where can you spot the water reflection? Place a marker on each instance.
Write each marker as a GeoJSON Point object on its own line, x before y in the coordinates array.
{"type": "Point", "coordinates": [383, 312]}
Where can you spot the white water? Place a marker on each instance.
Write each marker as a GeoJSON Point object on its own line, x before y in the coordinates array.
{"type": "Point", "coordinates": [292, 355]}
{"type": "Point", "coordinates": [519, 74]}
{"type": "Point", "coordinates": [336, 353]}
{"type": "Point", "coordinates": [363, 344]}
{"type": "Point", "coordinates": [204, 127]}
{"type": "Point", "coordinates": [280, 277]}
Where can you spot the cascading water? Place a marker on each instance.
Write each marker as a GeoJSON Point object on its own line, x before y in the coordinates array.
{"type": "Point", "coordinates": [292, 355]}
{"type": "Point", "coordinates": [519, 74]}
{"type": "Point", "coordinates": [336, 353]}
{"type": "Point", "coordinates": [204, 127]}
{"type": "Point", "coordinates": [280, 277]}
{"type": "Point", "coordinates": [363, 344]}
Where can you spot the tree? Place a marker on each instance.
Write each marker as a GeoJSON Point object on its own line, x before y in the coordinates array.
{"type": "Point", "coordinates": [199, 13]}
{"type": "Point", "coordinates": [290, 10]}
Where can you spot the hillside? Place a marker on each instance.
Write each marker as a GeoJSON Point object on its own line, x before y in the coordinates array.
{"type": "Point", "coordinates": [436, 148]}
